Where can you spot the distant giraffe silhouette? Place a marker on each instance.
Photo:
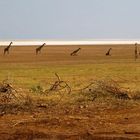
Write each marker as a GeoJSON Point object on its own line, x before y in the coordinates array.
{"type": "Point", "coordinates": [6, 50]}
{"type": "Point", "coordinates": [75, 52]}
{"type": "Point", "coordinates": [108, 52]}
{"type": "Point", "coordinates": [136, 51]}
{"type": "Point", "coordinates": [38, 50]}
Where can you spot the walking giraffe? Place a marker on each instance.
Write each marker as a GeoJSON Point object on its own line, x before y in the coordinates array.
{"type": "Point", "coordinates": [108, 52]}
{"type": "Point", "coordinates": [38, 50]}
{"type": "Point", "coordinates": [6, 50]}
{"type": "Point", "coordinates": [75, 52]}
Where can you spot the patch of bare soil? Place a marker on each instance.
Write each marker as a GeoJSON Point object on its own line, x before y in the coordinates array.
{"type": "Point", "coordinates": [71, 123]}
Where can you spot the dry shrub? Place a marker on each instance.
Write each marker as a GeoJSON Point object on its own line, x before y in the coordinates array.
{"type": "Point", "coordinates": [105, 88]}
{"type": "Point", "coordinates": [13, 100]}
{"type": "Point", "coordinates": [24, 104]}
{"type": "Point", "coordinates": [136, 95]}
{"type": "Point", "coordinates": [7, 92]}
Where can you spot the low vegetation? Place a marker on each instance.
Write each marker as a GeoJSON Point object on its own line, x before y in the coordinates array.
{"type": "Point", "coordinates": [107, 93]}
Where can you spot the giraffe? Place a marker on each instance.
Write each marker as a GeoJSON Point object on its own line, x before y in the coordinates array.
{"type": "Point", "coordinates": [108, 52]}
{"type": "Point", "coordinates": [136, 51]}
{"type": "Point", "coordinates": [74, 53]}
{"type": "Point", "coordinates": [38, 50]}
{"type": "Point", "coordinates": [6, 50]}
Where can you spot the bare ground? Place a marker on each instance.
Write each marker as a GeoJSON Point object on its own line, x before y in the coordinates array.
{"type": "Point", "coordinates": [72, 123]}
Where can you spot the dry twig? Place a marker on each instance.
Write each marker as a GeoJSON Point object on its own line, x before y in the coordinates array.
{"type": "Point", "coordinates": [59, 85]}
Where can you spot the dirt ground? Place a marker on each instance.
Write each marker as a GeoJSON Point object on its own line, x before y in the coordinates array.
{"type": "Point", "coordinates": [69, 122]}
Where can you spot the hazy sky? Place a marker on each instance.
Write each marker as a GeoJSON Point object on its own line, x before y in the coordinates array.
{"type": "Point", "coordinates": [70, 19]}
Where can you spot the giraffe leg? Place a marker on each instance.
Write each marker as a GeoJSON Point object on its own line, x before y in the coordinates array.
{"type": "Point", "coordinates": [5, 51]}
{"type": "Point", "coordinates": [37, 51]}
{"type": "Point", "coordinates": [72, 54]}
{"type": "Point", "coordinates": [75, 54]}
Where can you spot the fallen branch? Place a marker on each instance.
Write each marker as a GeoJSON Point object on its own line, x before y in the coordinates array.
{"type": "Point", "coordinates": [59, 85]}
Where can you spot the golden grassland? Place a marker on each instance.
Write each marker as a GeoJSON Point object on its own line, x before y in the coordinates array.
{"type": "Point", "coordinates": [25, 69]}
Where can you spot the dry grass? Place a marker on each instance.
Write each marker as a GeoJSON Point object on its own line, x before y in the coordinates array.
{"type": "Point", "coordinates": [25, 69]}
{"type": "Point", "coordinates": [106, 93]}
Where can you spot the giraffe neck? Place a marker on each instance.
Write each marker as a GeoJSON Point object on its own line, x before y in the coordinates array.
{"type": "Point", "coordinates": [109, 50]}
{"type": "Point", "coordinates": [9, 46]}
{"type": "Point", "coordinates": [78, 49]}
{"type": "Point", "coordinates": [41, 46]}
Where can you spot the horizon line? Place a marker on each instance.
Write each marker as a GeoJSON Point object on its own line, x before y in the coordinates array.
{"type": "Point", "coordinates": [68, 42]}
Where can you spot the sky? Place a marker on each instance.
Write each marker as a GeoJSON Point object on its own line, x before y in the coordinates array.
{"type": "Point", "coordinates": [69, 19]}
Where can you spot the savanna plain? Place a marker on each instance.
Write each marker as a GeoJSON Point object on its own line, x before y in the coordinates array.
{"type": "Point", "coordinates": [54, 95]}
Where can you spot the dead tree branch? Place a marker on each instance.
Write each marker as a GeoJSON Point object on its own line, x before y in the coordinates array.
{"type": "Point", "coordinates": [59, 85]}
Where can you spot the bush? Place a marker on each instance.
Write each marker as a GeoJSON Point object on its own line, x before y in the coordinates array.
{"type": "Point", "coordinates": [37, 89]}
{"type": "Point", "coordinates": [105, 89]}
